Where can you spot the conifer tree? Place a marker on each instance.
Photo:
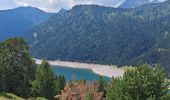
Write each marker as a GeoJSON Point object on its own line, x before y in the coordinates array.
{"type": "Point", "coordinates": [44, 84]}
{"type": "Point", "coordinates": [17, 69]}
{"type": "Point", "coordinates": [60, 83]}
{"type": "Point", "coordinates": [102, 84]}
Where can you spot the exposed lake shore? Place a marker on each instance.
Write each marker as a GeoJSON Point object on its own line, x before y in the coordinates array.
{"type": "Point", "coordinates": [104, 70]}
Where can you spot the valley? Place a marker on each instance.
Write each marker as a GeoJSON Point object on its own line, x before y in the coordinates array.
{"type": "Point", "coordinates": [84, 49]}
{"type": "Point", "coordinates": [105, 35]}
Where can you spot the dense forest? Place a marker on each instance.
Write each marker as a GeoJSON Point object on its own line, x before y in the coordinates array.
{"type": "Point", "coordinates": [21, 76]}
{"type": "Point", "coordinates": [105, 35]}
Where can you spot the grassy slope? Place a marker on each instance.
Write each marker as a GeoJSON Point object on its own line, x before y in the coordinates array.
{"type": "Point", "coordinates": [9, 96]}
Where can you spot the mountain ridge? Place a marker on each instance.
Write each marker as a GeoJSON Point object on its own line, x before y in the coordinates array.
{"type": "Point", "coordinates": [105, 35]}
{"type": "Point", "coordinates": [138, 3]}
{"type": "Point", "coordinates": [14, 22]}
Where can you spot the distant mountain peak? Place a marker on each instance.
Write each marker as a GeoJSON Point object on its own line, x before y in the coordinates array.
{"type": "Point", "coordinates": [28, 8]}
{"type": "Point", "coordinates": [62, 10]}
{"type": "Point", "coordinates": [137, 3]}
{"type": "Point", "coordinates": [14, 22]}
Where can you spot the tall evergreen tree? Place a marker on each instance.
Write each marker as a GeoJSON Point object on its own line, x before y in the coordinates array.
{"type": "Point", "coordinates": [17, 67]}
{"type": "Point", "coordinates": [102, 84]}
{"type": "Point", "coordinates": [46, 84]}
{"type": "Point", "coordinates": [60, 82]}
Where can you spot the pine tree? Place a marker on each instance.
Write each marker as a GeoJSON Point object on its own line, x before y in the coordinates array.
{"type": "Point", "coordinates": [102, 84]}
{"type": "Point", "coordinates": [44, 84]}
{"type": "Point", "coordinates": [60, 83]}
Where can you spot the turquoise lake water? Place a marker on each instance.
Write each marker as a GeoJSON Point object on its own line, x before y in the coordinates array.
{"type": "Point", "coordinates": [77, 74]}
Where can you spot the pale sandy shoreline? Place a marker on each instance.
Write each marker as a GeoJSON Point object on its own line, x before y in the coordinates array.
{"type": "Point", "coordinates": [104, 70]}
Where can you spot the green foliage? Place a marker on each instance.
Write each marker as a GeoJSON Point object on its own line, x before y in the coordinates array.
{"type": "Point", "coordinates": [1, 85]}
{"type": "Point", "coordinates": [142, 83]}
{"type": "Point", "coordinates": [106, 35]}
{"type": "Point", "coordinates": [145, 82]}
{"type": "Point", "coordinates": [102, 86]}
{"type": "Point", "coordinates": [167, 97]}
{"type": "Point", "coordinates": [89, 96]}
{"type": "Point", "coordinates": [38, 98]}
{"type": "Point", "coordinates": [7, 96]}
{"type": "Point", "coordinates": [60, 82]}
{"type": "Point", "coordinates": [45, 83]}
{"type": "Point", "coordinates": [17, 69]}
{"type": "Point", "coordinates": [115, 90]}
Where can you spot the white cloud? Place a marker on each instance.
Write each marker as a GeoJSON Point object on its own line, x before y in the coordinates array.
{"type": "Point", "coordinates": [6, 4]}
{"type": "Point", "coordinates": [56, 5]}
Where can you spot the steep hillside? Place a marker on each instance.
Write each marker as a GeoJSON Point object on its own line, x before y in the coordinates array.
{"type": "Point", "coordinates": [105, 35]}
{"type": "Point", "coordinates": [15, 22]}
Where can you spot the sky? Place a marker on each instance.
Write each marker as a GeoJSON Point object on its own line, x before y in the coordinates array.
{"type": "Point", "coordinates": [55, 5]}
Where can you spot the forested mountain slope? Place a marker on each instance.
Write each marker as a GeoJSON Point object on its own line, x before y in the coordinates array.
{"type": "Point", "coordinates": [15, 22]}
{"type": "Point", "coordinates": [91, 33]}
